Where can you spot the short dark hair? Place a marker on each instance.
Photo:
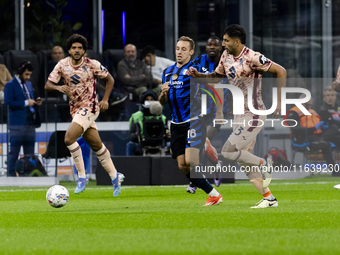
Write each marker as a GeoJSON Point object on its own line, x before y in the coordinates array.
{"type": "Point", "coordinates": [25, 65]}
{"type": "Point", "coordinates": [214, 37]}
{"type": "Point", "coordinates": [187, 39]}
{"type": "Point", "coordinates": [236, 31]}
{"type": "Point", "coordinates": [147, 50]}
{"type": "Point", "coordinates": [76, 38]}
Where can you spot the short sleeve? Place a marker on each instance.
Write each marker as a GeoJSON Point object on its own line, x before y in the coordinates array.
{"type": "Point", "coordinates": [260, 63]}
{"type": "Point", "coordinates": [220, 68]}
{"type": "Point", "coordinates": [99, 70]}
{"type": "Point", "coordinates": [55, 75]}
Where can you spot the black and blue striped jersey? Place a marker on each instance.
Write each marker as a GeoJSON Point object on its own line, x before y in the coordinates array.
{"type": "Point", "coordinates": [204, 61]}
{"type": "Point", "coordinates": [182, 108]}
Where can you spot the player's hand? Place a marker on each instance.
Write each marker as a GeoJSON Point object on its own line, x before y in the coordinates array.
{"type": "Point", "coordinates": [165, 88]}
{"type": "Point", "coordinates": [104, 105]}
{"type": "Point", "coordinates": [65, 89]}
{"type": "Point", "coordinates": [193, 72]}
{"type": "Point", "coordinates": [163, 97]}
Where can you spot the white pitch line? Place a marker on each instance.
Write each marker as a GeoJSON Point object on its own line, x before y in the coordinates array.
{"type": "Point", "coordinates": [167, 186]}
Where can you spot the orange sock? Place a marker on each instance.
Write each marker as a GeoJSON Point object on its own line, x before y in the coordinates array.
{"type": "Point", "coordinates": [266, 195]}
{"type": "Point", "coordinates": [262, 162]}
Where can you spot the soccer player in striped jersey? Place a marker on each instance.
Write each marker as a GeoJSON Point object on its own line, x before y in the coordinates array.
{"type": "Point", "coordinates": [187, 128]}
{"type": "Point", "coordinates": [80, 74]}
{"type": "Point", "coordinates": [243, 68]}
{"type": "Point", "coordinates": [210, 61]}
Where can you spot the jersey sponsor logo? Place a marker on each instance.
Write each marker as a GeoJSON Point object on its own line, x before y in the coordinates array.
{"type": "Point", "coordinates": [228, 61]}
{"type": "Point", "coordinates": [67, 70]}
{"type": "Point", "coordinates": [75, 79]}
{"type": "Point", "coordinates": [178, 83]}
{"type": "Point", "coordinates": [263, 59]}
{"type": "Point", "coordinates": [102, 68]}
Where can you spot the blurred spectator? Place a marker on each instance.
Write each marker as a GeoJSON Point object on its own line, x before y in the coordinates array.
{"type": "Point", "coordinates": [5, 77]}
{"type": "Point", "coordinates": [157, 65]}
{"type": "Point", "coordinates": [149, 111]}
{"type": "Point", "coordinates": [57, 54]}
{"type": "Point", "coordinates": [23, 115]}
{"type": "Point", "coordinates": [309, 131]}
{"type": "Point", "coordinates": [330, 114]}
{"type": "Point", "coordinates": [54, 97]}
{"type": "Point", "coordinates": [133, 73]}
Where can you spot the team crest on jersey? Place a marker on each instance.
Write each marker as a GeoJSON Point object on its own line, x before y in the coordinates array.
{"type": "Point", "coordinates": [228, 61]}
{"type": "Point", "coordinates": [85, 69]}
{"type": "Point", "coordinates": [263, 59]}
{"type": "Point", "coordinates": [185, 71]}
{"type": "Point", "coordinates": [102, 68]}
{"type": "Point", "coordinates": [204, 70]}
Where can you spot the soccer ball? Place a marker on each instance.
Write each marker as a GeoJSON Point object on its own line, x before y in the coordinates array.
{"type": "Point", "coordinates": [57, 196]}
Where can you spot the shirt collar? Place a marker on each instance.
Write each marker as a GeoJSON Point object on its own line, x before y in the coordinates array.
{"type": "Point", "coordinates": [18, 79]}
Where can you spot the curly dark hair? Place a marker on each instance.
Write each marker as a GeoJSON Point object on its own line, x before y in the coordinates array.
{"type": "Point", "coordinates": [76, 38]}
{"type": "Point", "coordinates": [236, 31]}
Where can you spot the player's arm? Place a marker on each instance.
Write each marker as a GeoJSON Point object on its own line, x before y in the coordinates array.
{"type": "Point", "coordinates": [104, 103]}
{"type": "Point", "coordinates": [50, 86]}
{"type": "Point", "coordinates": [196, 74]}
{"type": "Point", "coordinates": [281, 74]}
{"type": "Point", "coordinates": [163, 97]}
{"type": "Point", "coordinates": [219, 106]}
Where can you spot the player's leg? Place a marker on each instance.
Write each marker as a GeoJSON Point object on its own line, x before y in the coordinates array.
{"type": "Point", "coordinates": [92, 137]}
{"type": "Point", "coordinates": [72, 134]}
{"type": "Point", "coordinates": [239, 147]}
{"type": "Point", "coordinates": [192, 160]}
{"type": "Point", "coordinates": [256, 178]}
{"type": "Point", "coordinates": [230, 152]}
{"type": "Point", "coordinates": [211, 132]}
{"type": "Point", "coordinates": [195, 144]}
{"type": "Point", "coordinates": [243, 135]}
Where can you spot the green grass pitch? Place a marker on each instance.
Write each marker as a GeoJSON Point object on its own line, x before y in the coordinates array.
{"type": "Point", "coordinates": [167, 220]}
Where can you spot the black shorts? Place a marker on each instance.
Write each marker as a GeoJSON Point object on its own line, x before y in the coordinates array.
{"type": "Point", "coordinates": [186, 135]}
{"type": "Point", "coordinates": [178, 141]}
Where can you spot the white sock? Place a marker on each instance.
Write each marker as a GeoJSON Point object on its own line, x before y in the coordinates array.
{"type": "Point", "coordinates": [214, 193]}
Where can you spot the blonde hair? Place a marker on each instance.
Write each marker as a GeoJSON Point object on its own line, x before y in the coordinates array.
{"type": "Point", "coordinates": [187, 39]}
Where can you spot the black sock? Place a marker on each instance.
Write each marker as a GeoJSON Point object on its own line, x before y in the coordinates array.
{"type": "Point", "coordinates": [201, 183]}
